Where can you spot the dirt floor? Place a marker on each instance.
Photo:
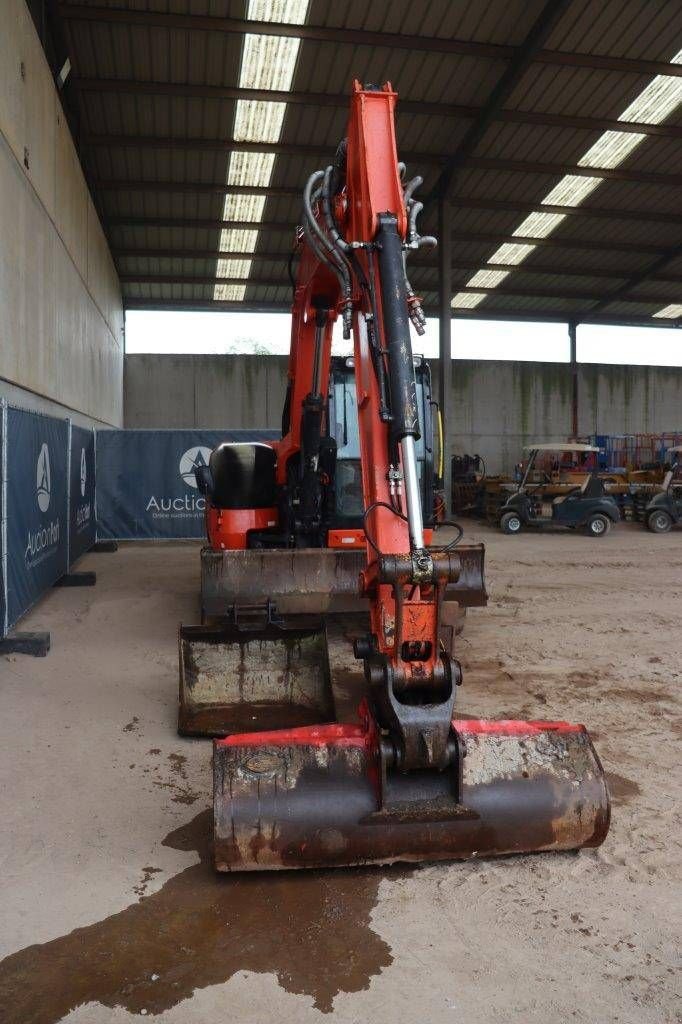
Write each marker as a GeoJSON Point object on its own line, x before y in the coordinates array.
{"type": "Point", "coordinates": [111, 910]}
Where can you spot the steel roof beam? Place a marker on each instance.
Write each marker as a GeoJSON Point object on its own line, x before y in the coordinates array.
{"type": "Point", "coordinates": [584, 210]}
{"type": "Point", "coordinates": [416, 265]}
{"type": "Point", "coordinates": [462, 202]}
{"type": "Point", "coordinates": [471, 163]}
{"type": "Point", "coordinates": [340, 101]}
{"type": "Point", "coordinates": [283, 282]}
{"type": "Point", "coordinates": [461, 236]}
{"type": "Point", "coordinates": [634, 280]}
{"type": "Point", "coordinates": [549, 316]}
{"type": "Point", "coordinates": [195, 187]}
{"type": "Point", "coordinates": [552, 169]}
{"type": "Point", "coordinates": [542, 28]}
{"type": "Point", "coordinates": [227, 145]}
{"type": "Point", "coordinates": [360, 37]}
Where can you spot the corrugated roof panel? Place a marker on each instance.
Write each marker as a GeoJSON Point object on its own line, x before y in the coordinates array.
{"type": "Point", "coordinates": [625, 309]}
{"type": "Point", "coordinates": [636, 29]}
{"type": "Point", "coordinates": [629, 28]}
{"type": "Point", "coordinates": [667, 291]}
{"type": "Point", "coordinates": [462, 19]}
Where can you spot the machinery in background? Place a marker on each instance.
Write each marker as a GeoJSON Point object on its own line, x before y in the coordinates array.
{"type": "Point", "coordinates": [326, 679]}
{"type": "Point", "coordinates": [577, 505]}
{"type": "Point", "coordinates": [631, 467]}
{"type": "Point", "coordinates": [664, 510]}
{"type": "Point", "coordinates": [467, 476]}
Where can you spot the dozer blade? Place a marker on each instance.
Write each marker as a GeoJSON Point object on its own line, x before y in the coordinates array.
{"type": "Point", "coordinates": [312, 797]}
{"type": "Point", "coordinates": [313, 581]}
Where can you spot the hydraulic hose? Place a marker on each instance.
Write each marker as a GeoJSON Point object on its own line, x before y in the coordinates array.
{"type": "Point", "coordinates": [325, 250]}
{"type": "Point", "coordinates": [339, 242]}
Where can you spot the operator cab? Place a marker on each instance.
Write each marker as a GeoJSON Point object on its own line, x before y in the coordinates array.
{"type": "Point", "coordinates": [558, 487]}
{"type": "Point", "coordinates": [665, 508]}
{"type": "Point", "coordinates": [346, 510]}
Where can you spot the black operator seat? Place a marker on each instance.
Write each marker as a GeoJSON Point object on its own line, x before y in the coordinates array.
{"type": "Point", "coordinates": [239, 475]}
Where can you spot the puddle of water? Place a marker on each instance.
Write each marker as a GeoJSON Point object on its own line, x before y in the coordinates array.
{"type": "Point", "coordinates": [620, 788]}
{"type": "Point", "coordinates": [310, 928]}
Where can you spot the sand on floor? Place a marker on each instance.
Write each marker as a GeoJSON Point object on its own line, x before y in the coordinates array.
{"type": "Point", "coordinates": [111, 910]}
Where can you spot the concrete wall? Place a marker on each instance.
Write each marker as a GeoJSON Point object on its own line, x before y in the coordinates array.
{"type": "Point", "coordinates": [497, 406]}
{"type": "Point", "coordinates": [204, 391]}
{"type": "Point", "coordinates": [61, 317]}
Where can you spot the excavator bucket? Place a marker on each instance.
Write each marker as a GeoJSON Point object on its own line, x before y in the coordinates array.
{"type": "Point", "coordinates": [314, 797]}
{"type": "Point", "coordinates": [318, 795]}
{"type": "Point", "coordinates": [233, 681]}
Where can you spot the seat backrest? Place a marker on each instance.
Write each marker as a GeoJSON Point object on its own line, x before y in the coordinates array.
{"type": "Point", "coordinates": [592, 487]}
{"type": "Point", "coordinates": [243, 476]}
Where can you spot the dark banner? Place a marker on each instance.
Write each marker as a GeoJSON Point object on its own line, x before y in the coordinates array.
{"type": "Point", "coordinates": [82, 527]}
{"type": "Point", "coordinates": [3, 519]}
{"type": "Point", "coordinates": [146, 488]}
{"type": "Point", "coordinates": [36, 510]}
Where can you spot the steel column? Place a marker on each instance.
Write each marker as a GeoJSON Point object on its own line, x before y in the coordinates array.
{"type": "Point", "coordinates": [445, 330]}
{"type": "Point", "coordinates": [572, 333]}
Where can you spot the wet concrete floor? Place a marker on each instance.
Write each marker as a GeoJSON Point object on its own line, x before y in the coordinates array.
{"type": "Point", "coordinates": [199, 929]}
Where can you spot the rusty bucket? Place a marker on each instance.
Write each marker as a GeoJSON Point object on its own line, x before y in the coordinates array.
{"type": "Point", "coordinates": [316, 797]}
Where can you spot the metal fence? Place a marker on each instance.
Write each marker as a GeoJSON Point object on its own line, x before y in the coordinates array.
{"type": "Point", "coordinates": [64, 487]}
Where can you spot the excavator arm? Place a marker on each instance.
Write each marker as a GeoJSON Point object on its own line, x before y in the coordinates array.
{"type": "Point", "coordinates": [359, 224]}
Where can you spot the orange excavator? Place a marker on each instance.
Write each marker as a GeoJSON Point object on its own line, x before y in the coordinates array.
{"type": "Point", "coordinates": [326, 676]}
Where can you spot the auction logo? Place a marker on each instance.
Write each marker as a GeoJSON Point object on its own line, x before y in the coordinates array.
{"type": "Point", "coordinates": [43, 479]}
{"type": "Point", "coordinates": [193, 459]}
{"type": "Point", "coordinates": [84, 472]}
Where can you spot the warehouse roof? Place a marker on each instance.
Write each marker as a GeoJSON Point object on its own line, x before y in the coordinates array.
{"type": "Point", "coordinates": [552, 127]}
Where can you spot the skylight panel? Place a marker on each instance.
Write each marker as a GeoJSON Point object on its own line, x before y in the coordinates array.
{"type": "Point", "coordinates": [243, 207]}
{"type": "Point", "coordinates": [238, 240]}
{"type": "Point", "coordinates": [250, 169]}
{"type": "Point", "coordinates": [539, 225]}
{"type": "Point", "coordinates": [672, 311]}
{"type": "Point", "coordinates": [512, 252]}
{"type": "Point", "coordinates": [571, 190]}
{"type": "Point", "coordinates": [268, 63]}
{"type": "Point", "coordinates": [467, 300]}
{"type": "Point", "coordinates": [289, 12]}
{"type": "Point", "coordinates": [658, 100]}
{"type": "Point", "coordinates": [234, 268]}
{"type": "Point", "coordinates": [654, 104]}
{"type": "Point", "coordinates": [487, 278]}
{"type": "Point", "coordinates": [610, 149]}
{"type": "Point", "coordinates": [258, 121]}
{"type": "Point", "coordinates": [229, 292]}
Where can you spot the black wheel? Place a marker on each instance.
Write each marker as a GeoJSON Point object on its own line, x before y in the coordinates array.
{"type": "Point", "coordinates": [659, 522]}
{"type": "Point", "coordinates": [511, 523]}
{"type": "Point", "coordinates": [598, 525]}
